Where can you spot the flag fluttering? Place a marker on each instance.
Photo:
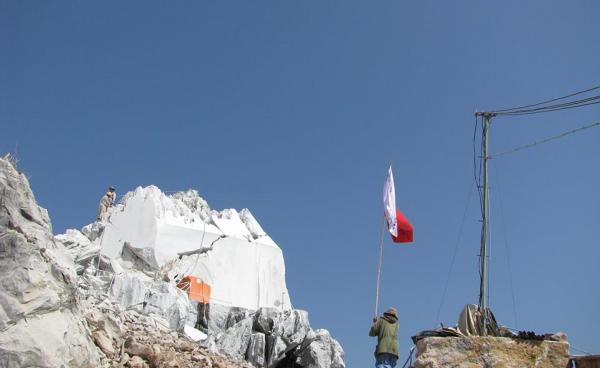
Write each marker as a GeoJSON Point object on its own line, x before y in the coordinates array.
{"type": "Point", "coordinates": [399, 227]}
{"type": "Point", "coordinates": [404, 229]}
{"type": "Point", "coordinates": [389, 203]}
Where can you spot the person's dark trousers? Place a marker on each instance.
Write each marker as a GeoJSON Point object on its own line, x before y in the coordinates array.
{"type": "Point", "coordinates": [385, 360]}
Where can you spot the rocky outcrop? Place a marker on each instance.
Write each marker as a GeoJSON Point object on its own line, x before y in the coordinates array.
{"type": "Point", "coordinates": [150, 239]}
{"type": "Point", "coordinates": [271, 338]}
{"type": "Point", "coordinates": [79, 247]}
{"type": "Point", "coordinates": [153, 297]}
{"type": "Point", "coordinates": [40, 318]}
{"type": "Point", "coordinates": [323, 351]}
{"type": "Point", "coordinates": [268, 337]}
{"type": "Point", "coordinates": [67, 301]}
{"type": "Point", "coordinates": [179, 235]}
{"type": "Point", "coordinates": [484, 352]}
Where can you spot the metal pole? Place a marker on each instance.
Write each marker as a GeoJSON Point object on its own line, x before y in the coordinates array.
{"type": "Point", "coordinates": [483, 305]}
{"type": "Point", "coordinates": [379, 268]}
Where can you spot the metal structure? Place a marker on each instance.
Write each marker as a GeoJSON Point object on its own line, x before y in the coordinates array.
{"type": "Point", "coordinates": [483, 283]}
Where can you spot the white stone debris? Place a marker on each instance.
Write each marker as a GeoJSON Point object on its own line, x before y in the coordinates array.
{"type": "Point", "coordinates": [127, 338]}
{"type": "Point", "coordinates": [194, 334]}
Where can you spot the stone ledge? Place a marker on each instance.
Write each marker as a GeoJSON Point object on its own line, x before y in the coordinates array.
{"type": "Point", "coordinates": [488, 352]}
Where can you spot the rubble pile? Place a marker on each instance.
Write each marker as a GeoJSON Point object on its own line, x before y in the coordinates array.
{"type": "Point", "coordinates": [130, 339]}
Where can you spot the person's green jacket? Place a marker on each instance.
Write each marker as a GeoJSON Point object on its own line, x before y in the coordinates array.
{"type": "Point", "coordinates": [386, 330]}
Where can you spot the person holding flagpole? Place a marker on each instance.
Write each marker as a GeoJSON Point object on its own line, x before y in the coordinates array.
{"type": "Point", "coordinates": [385, 328]}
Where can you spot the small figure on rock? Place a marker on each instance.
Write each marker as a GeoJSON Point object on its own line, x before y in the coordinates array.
{"type": "Point", "coordinates": [107, 201]}
{"type": "Point", "coordinates": [386, 330]}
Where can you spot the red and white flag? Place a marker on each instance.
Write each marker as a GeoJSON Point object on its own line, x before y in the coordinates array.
{"type": "Point", "coordinates": [398, 225]}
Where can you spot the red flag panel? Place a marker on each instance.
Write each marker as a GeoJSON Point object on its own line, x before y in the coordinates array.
{"type": "Point", "coordinates": [405, 229]}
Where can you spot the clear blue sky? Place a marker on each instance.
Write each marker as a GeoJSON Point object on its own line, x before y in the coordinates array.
{"type": "Point", "coordinates": [294, 108]}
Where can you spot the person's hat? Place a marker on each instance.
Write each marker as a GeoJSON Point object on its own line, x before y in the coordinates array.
{"type": "Point", "coordinates": [112, 189]}
{"type": "Point", "coordinates": [392, 312]}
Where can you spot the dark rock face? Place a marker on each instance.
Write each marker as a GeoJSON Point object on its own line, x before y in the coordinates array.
{"type": "Point", "coordinates": [264, 320]}
{"type": "Point", "coordinates": [256, 350]}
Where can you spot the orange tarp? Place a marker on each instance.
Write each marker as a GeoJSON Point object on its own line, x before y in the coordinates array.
{"type": "Point", "coordinates": [196, 289]}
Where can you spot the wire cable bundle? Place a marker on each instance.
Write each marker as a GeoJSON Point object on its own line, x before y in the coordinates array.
{"type": "Point", "coordinates": [567, 102]}
{"type": "Point", "coordinates": [546, 106]}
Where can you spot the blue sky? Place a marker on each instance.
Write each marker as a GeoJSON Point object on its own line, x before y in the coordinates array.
{"type": "Point", "coordinates": [294, 108]}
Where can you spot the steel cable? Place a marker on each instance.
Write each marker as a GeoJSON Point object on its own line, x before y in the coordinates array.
{"type": "Point", "coordinates": [596, 100]}
{"type": "Point", "coordinates": [562, 135]}
{"type": "Point", "coordinates": [548, 101]}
